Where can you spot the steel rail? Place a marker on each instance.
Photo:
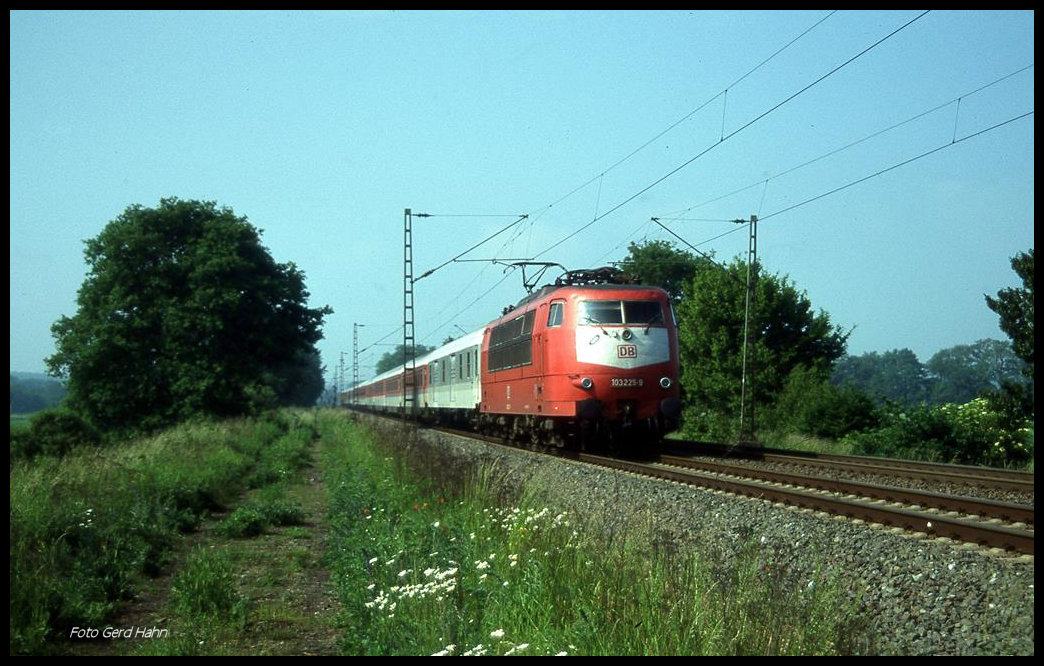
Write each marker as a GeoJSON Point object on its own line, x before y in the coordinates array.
{"type": "Point", "coordinates": [1008, 511]}
{"type": "Point", "coordinates": [1000, 479]}
{"type": "Point", "coordinates": [935, 525]}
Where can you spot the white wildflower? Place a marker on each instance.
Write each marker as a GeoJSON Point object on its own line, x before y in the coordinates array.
{"type": "Point", "coordinates": [517, 648]}
{"type": "Point", "coordinates": [498, 634]}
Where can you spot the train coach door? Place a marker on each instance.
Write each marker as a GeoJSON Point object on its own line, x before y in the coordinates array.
{"type": "Point", "coordinates": [452, 362]}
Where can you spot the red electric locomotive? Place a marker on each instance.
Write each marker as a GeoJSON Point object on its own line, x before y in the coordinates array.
{"type": "Point", "coordinates": [595, 363]}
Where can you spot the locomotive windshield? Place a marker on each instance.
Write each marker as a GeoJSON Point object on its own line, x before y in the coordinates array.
{"type": "Point", "coordinates": [627, 313]}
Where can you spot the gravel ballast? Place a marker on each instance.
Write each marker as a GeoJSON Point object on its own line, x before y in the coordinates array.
{"type": "Point", "coordinates": [915, 596]}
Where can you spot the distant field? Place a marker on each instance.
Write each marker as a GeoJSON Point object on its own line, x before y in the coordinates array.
{"type": "Point", "coordinates": [20, 421]}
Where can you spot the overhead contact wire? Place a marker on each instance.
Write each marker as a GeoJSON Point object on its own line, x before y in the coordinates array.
{"type": "Point", "coordinates": [738, 130]}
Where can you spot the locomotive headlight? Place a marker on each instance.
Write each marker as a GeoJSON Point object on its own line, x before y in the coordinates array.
{"type": "Point", "coordinates": [627, 335]}
{"type": "Point", "coordinates": [585, 383]}
{"type": "Point", "coordinates": [665, 382]}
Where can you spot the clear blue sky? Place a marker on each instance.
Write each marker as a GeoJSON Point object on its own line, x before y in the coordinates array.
{"type": "Point", "coordinates": [322, 127]}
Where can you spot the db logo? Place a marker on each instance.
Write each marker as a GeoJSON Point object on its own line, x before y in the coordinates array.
{"type": "Point", "coordinates": [627, 351]}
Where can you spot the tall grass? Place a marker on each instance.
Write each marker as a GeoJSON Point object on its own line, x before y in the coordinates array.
{"type": "Point", "coordinates": [85, 526]}
{"type": "Point", "coordinates": [421, 571]}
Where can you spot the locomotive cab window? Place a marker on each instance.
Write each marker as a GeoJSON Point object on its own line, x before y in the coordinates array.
{"type": "Point", "coordinates": [554, 315]}
{"type": "Point", "coordinates": [629, 313]}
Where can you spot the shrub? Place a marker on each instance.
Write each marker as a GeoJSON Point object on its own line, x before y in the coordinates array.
{"type": "Point", "coordinates": [972, 433]}
{"type": "Point", "coordinates": [244, 522]}
{"type": "Point", "coordinates": [206, 588]}
{"type": "Point", "coordinates": [281, 512]}
{"type": "Point", "coordinates": [813, 406]}
{"type": "Point", "coordinates": [54, 432]}
{"type": "Point", "coordinates": [252, 519]}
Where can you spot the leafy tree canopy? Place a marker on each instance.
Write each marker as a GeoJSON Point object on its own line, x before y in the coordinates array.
{"type": "Point", "coordinates": [894, 375]}
{"type": "Point", "coordinates": [394, 359]}
{"type": "Point", "coordinates": [956, 374]}
{"type": "Point", "coordinates": [964, 372]}
{"type": "Point", "coordinates": [785, 334]}
{"type": "Point", "coordinates": [661, 264]}
{"type": "Point", "coordinates": [184, 312]}
{"type": "Point", "coordinates": [1015, 308]}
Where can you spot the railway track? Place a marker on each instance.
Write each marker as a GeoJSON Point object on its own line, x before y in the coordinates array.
{"type": "Point", "coordinates": [989, 523]}
{"type": "Point", "coordinates": [938, 473]}
{"type": "Point", "coordinates": [992, 524]}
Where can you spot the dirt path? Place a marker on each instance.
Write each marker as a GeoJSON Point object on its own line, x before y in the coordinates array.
{"type": "Point", "coordinates": [291, 602]}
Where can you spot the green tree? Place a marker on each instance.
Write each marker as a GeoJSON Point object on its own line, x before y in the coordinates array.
{"type": "Point", "coordinates": [811, 405]}
{"type": "Point", "coordinates": [964, 372]}
{"type": "Point", "coordinates": [661, 264]}
{"type": "Point", "coordinates": [785, 334]}
{"type": "Point", "coordinates": [299, 381]}
{"type": "Point", "coordinates": [183, 312]}
{"type": "Point", "coordinates": [1015, 308]}
{"type": "Point", "coordinates": [394, 359]}
{"type": "Point", "coordinates": [895, 375]}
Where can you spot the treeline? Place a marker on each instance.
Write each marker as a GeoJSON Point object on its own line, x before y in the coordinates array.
{"type": "Point", "coordinates": [29, 394]}
{"type": "Point", "coordinates": [957, 374]}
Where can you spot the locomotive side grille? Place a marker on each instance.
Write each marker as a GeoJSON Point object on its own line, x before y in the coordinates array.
{"type": "Point", "coordinates": [511, 344]}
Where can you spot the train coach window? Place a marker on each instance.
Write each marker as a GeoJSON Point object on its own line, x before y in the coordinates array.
{"type": "Point", "coordinates": [554, 315]}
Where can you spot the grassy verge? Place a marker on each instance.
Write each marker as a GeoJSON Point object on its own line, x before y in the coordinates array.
{"type": "Point", "coordinates": [425, 570]}
{"type": "Point", "coordinates": [89, 528]}
{"type": "Point", "coordinates": [256, 591]}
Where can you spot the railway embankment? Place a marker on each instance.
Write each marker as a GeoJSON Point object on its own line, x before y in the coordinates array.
{"type": "Point", "coordinates": [914, 595]}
